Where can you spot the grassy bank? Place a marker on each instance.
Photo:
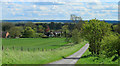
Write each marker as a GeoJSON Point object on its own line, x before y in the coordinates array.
{"type": "Point", "coordinates": [39, 57]}
{"type": "Point", "coordinates": [88, 58]}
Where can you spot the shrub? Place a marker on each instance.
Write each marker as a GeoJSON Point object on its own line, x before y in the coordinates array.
{"type": "Point", "coordinates": [41, 34]}
{"type": "Point", "coordinates": [110, 45]}
{"type": "Point", "coordinates": [29, 33]}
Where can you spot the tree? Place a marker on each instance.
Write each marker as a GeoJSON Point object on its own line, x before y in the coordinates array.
{"type": "Point", "coordinates": [29, 33]}
{"type": "Point", "coordinates": [94, 31]}
{"type": "Point", "coordinates": [65, 30]}
{"type": "Point", "coordinates": [58, 26]}
{"type": "Point", "coordinates": [6, 26]}
{"type": "Point", "coordinates": [76, 32]}
{"type": "Point", "coordinates": [40, 29]}
{"type": "Point", "coordinates": [71, 26]}
{"type": "Point", "coordinates": [15, 31]}
{"type": "Point", "coordinates": [52, 25]}
{"type": "Point", "coordinates": [66, 33]}
{"type": "Point", "coordinates": [30, 24]}
{"type": "Point", "coordinates": [76, 36]}
{"type": "Point", "coordinates": [75, 18]}
{"type": "Point", "coordinates": [117, 29]}
{"type": "Point", "coordinates": [79, 25]}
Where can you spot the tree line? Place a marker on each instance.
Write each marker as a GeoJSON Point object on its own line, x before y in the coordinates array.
{"type": "Point", "coordinates": [33, 30]}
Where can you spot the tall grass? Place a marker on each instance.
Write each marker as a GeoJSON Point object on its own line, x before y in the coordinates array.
{"type": "Point", "coordinates": [38, 57]}
{"type": "Point", "coordinates": [88, 58]}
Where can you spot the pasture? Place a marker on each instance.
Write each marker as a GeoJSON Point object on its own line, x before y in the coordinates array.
{"type": "Point", "coordinates": [31, 43]}
{"type": "Point", "coordinates": [62, 49]}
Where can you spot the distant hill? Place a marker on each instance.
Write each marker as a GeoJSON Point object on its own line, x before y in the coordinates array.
{"type": "Point", "coordinates": [64, 21]}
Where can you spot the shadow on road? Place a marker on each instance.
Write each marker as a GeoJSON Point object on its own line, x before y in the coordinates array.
{"type": "Point", "coordinates": [70, 58]}
{"type": "Point", "coordinates": [86, 56]}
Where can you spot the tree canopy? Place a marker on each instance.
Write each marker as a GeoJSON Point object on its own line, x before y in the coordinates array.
{"type": "Point", "coordinates": [94, 31]}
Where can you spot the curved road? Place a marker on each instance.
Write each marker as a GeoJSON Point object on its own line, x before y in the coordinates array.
{"type": "Point", "coordinates": [72, 59]}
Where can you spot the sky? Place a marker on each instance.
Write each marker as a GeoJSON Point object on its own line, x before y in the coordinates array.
{"type": "Point", "coordinates": [58, 9]}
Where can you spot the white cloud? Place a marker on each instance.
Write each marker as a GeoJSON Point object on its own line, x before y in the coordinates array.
{"type": "Point", "coordinates": [43, 14]}
{"type": "Point", "coordinates": [43, 8]}
{"type": "Point", "coordinates": [60, 0]}
{"type": "Point", "coordinates": [60, 11]}
{"type": "Point", "coordinates": [34, 6]}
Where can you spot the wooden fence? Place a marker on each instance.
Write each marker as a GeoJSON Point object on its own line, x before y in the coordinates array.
{"type": "Point", "coordinates": [31, 49]}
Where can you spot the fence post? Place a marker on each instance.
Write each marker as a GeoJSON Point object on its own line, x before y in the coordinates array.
{"type": "Point", "coordinates": [13, 47]}
{"type": "Point", "coordinates": [42, 49]}
{"type": "Point", "coordinates": [38, 49]}
{"type": "Point", "coordinates": [28, 49]}
{"type": "Point", "coordinates": [21, 48]}
{"type": "Point", "coordinates": [2, 48]}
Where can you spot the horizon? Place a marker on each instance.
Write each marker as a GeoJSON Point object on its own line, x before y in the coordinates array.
{"type": "Point", "coordinates": [69, 19]}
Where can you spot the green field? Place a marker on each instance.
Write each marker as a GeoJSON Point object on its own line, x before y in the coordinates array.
{"type": "Point", "coordinates": [88, 58]}
{"type": "Point", "coordinates": [10, 56]}
{"type": "Point", "coordinates": [45, 43]}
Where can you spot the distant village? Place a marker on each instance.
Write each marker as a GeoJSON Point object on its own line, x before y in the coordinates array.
{"type": "Point", "coordinates": [44, 30]}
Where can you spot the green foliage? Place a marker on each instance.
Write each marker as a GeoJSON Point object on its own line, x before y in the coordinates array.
{"type": "Point", "coordinates": [58, 26]}
{"type": "Point", "coordinates": [110, 45]}
{"type": "Point", "coordinates": [65, 30]}
{"type": "Point", "coordinates": [29, 32]}
{"type": "Point", "coordinates": [79, 25]}
{"type": "Point", "coordinates": [117, 28]}
{"type": "Point", "coordinates": [39, 35]}
{"type": "Point", "coordinates": [52, 25]}
{"type": "Point", "coordinates": [88, 58]}
{"type": "Point", "coordinates": [76, 36]}
{"type": "Point", "coordinates": [15, 31]}
{"type": "Point", "coordinates": [40, 29]}
{"type": "Point", "coordinates": [7, 26]}
{"type": "Point", "coordinates": [94, 31]}
{"type": "Point", "coordinates": [66, 33]}
{"type": "Point", "coordinates": [30, 24]}
{"type": "Point", "coordinates": [35, 29]}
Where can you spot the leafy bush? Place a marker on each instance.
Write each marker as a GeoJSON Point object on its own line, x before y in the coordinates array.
{"type": "Point", "coordinates": [29, 33]}
{"type": "Point", "coordinates": [16, 31]}
{"type": "Point", "coordinates": [44, 36]}
{"type": "Point", "coordinates": [41, 34]}
{"type": "Point", "coordinates": [110, 45]}
{"type": "Point", "coordinates": [7, 26]}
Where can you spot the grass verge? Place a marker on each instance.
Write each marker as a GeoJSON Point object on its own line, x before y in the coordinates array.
{"type": "Point", "coordinates": [88, 58]}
